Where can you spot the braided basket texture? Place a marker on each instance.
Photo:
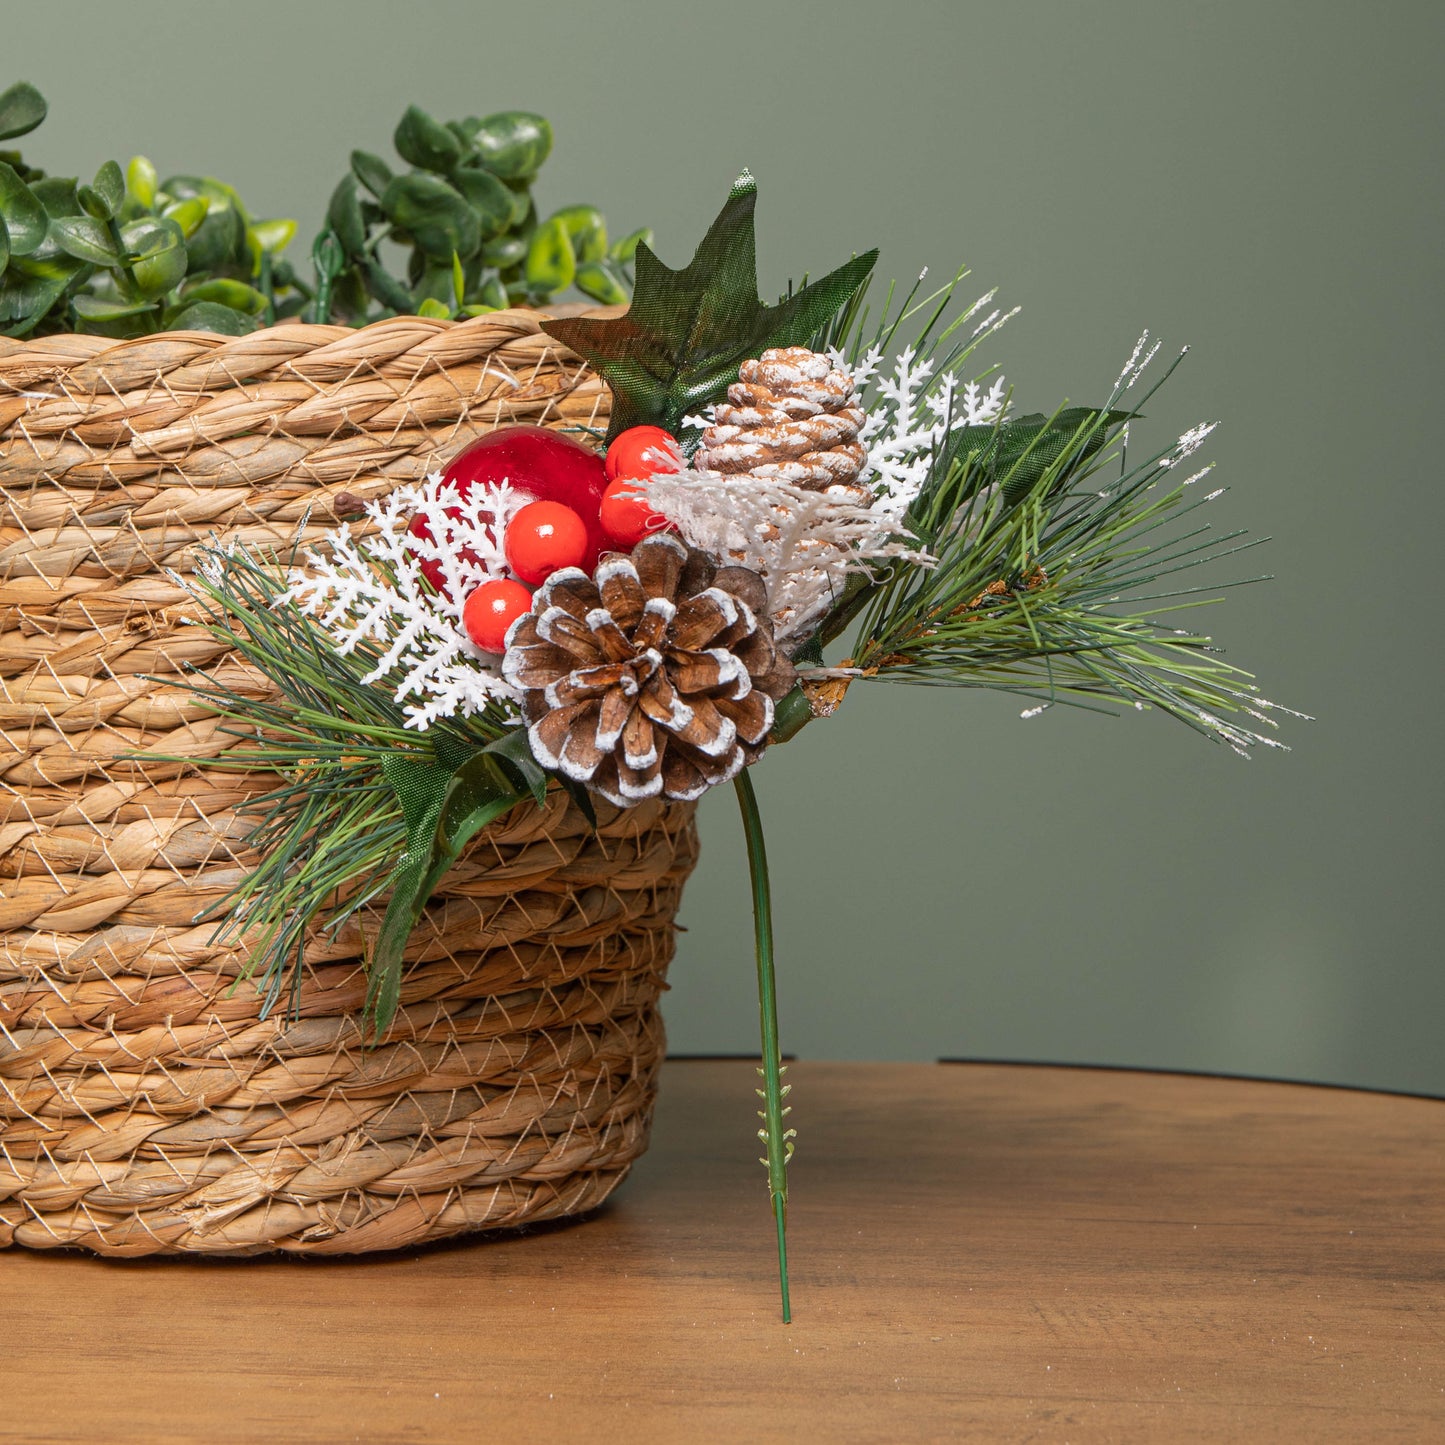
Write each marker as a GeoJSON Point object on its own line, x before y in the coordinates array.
{"type": "Point", "coordinates": [145, 1104]}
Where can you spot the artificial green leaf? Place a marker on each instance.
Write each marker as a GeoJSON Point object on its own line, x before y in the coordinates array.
{"type": "Point", "coordinates": [208, 316]}
{"type": "Point", "coordinates": [435, 283]}
{"type": "Point", "coordinates": [343, 215]}
{"type": "Point", "coordinates": [273, 236]}
{"type": "Point", "coordinates": [598, 280]}
{"type": "Point", "coordinates": [4, 246]}
{"type": "Point", "coordinates": [109, 185]}
{"type": "Point", "coordinates": [476, 311]}
{"type": "Point", "coordinates": [386, 288]}
{"type": "Point", "coordinates": [188, 214]}
{"type": "Point", "coordinates": [426, 142]}
{"type": "Point", "coordinates": [235, 294]}
{"type": "Point", "coordinates": [437, 310]}
{"type": "Point", "coordinates": [92, 203]}
{"type": "Point", "coordinates": [626, 248]}
{"type": "Point", "coordinates": [86, 239]}
{"type": "Point", "coordinates": [683, 338]}
{"type": "Point", "coordinates": [23, 212]}
{"type": "Point", "coordinates": [22, 108]}
{"type": "Point", "coordinates": [459, 280]}
{"type": "Point", "coordinates": [487, 196]}
{"type": "Point", "coordinates": [1017, 453]}
{"type": "Point", "coordinates": [25, 300]}
{"type": "Point", "coordinates": [160, 272]}
{"type": "Point", "coordinates": [371, 171]}
{"type": "Point", "coordinates": [328, 255]}
{"type": "Point", "coordinates": [220, 240]}
{"type": "Point", "coordinates": [103, 308]}
{"type": "Point", "coordinates": [492, 295]}
{"type": "Point", "coordinates": [58, 195]}
{"type": "Point", "coordinates": [505, 252]}
{"type": "Point", "coordinates": [513, 143]}
{"type": "Point", "coordinates": [435, 215]}
{"type": "Point", "coordinates": [551, 264]}
{"type": "Point", "coordinates": [587, 229]}
{"type": "Point", "coordinates": [142, 182]}
{"type": "Point", "coordinates": [217, 192]}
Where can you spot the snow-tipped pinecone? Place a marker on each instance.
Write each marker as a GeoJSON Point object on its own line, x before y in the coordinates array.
{"type": "Point", "coordinates": [656, 676]}
{"type": "Point", "coordinates": [792, 416]}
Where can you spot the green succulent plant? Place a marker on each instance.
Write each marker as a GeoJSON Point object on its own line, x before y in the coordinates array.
{"type": "Point", "coordinates": [465, 211]}
{"type": "Point", "coordinates": [127, 254]}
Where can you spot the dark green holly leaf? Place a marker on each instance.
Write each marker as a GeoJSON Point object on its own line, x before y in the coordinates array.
{"type": "Point", "coordinates": [22, 108]}
{"type": "Point", "coordinates": [425, 142]}
{"type": "Point", "coordinates": [22, 211]}
{"type": "Point", "coordinates": [682, 340]}
{"type": "Point", "coordinates": [513, 144]}
{"type": "Point", "coordinates": [1018, 452]}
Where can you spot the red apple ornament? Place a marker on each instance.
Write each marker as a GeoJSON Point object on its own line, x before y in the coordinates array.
{"type": "Point", "coordinates": [545, 465]}
{"type": "Point", "coordinates": [545, 537]}
{"type": "Point", "coordinates": [492, 609]}
{"type": "Point", "coordinates": [541, 465]}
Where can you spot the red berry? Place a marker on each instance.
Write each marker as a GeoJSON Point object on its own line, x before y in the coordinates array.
{"type": "Point", "coordinates": [542, 464]}
{"type": "Point", "coordinates": [642, 451]}
{"type": "Point", "coordinates": [626, 517]}
{"type": "Point", "coordinates": [492, 609]}
{"type": "Point", "coordinates": [543, 537]}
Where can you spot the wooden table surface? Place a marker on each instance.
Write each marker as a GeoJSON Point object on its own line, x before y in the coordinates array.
{"type": "Point", "coordinates": [980, 1252]}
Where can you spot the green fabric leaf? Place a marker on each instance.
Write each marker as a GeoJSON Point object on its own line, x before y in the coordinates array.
{"type": "Point", "coordinates": [682, 340]}
{"type": "Point", "coordinates": [25, 299]}
{"type": "Point", "coordinates": [447, 797]}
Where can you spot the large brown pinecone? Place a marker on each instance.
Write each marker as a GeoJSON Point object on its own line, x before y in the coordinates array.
{"type": "Point", "coordinates": [791, 416]}
{"type": "Point", "coordinates": [657, 676]}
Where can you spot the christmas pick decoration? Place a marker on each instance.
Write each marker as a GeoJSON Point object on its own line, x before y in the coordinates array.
{"type": "Point", "coordinates": [686, 333]}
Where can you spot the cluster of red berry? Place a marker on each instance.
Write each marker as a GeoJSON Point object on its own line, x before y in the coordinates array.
{"type": "Point", "coordinates": [583, 505]}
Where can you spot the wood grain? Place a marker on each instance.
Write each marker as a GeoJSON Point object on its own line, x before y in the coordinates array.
{"type": "Point", "coordinates": [980, 1253]}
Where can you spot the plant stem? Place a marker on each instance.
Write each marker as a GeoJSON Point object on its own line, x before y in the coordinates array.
{"type": "Point", "coordinates": [777, 1139]}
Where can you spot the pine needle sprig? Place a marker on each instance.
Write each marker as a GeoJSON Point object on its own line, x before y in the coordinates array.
{"type": "Point", "coordinates": [328, 836]}
{"type": "Point", "coordinates": [1048, 596]}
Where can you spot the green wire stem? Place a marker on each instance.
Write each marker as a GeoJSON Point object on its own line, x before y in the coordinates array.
{"type": "Point", "coordinates": [777, 1139]}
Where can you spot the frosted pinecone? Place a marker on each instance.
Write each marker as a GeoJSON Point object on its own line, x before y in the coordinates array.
{"type": "Point", "coordinates": [656, 677]}
{"type": "Point", "coordinates": [791, 416]}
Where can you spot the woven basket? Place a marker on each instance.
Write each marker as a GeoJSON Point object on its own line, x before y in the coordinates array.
{"type": "Point", "coordinates": [145, 1104]}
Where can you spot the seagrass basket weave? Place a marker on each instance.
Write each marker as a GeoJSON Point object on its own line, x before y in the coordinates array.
{"type": "Point", "coordinates": [145, 1104]}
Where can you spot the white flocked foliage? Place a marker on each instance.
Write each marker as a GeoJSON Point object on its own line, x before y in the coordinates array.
{"type": "Point", "coordinates": [371, 589]}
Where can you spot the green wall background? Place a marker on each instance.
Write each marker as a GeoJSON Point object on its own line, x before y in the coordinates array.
{"type": "Point", "coordinates": [1261, 181]}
